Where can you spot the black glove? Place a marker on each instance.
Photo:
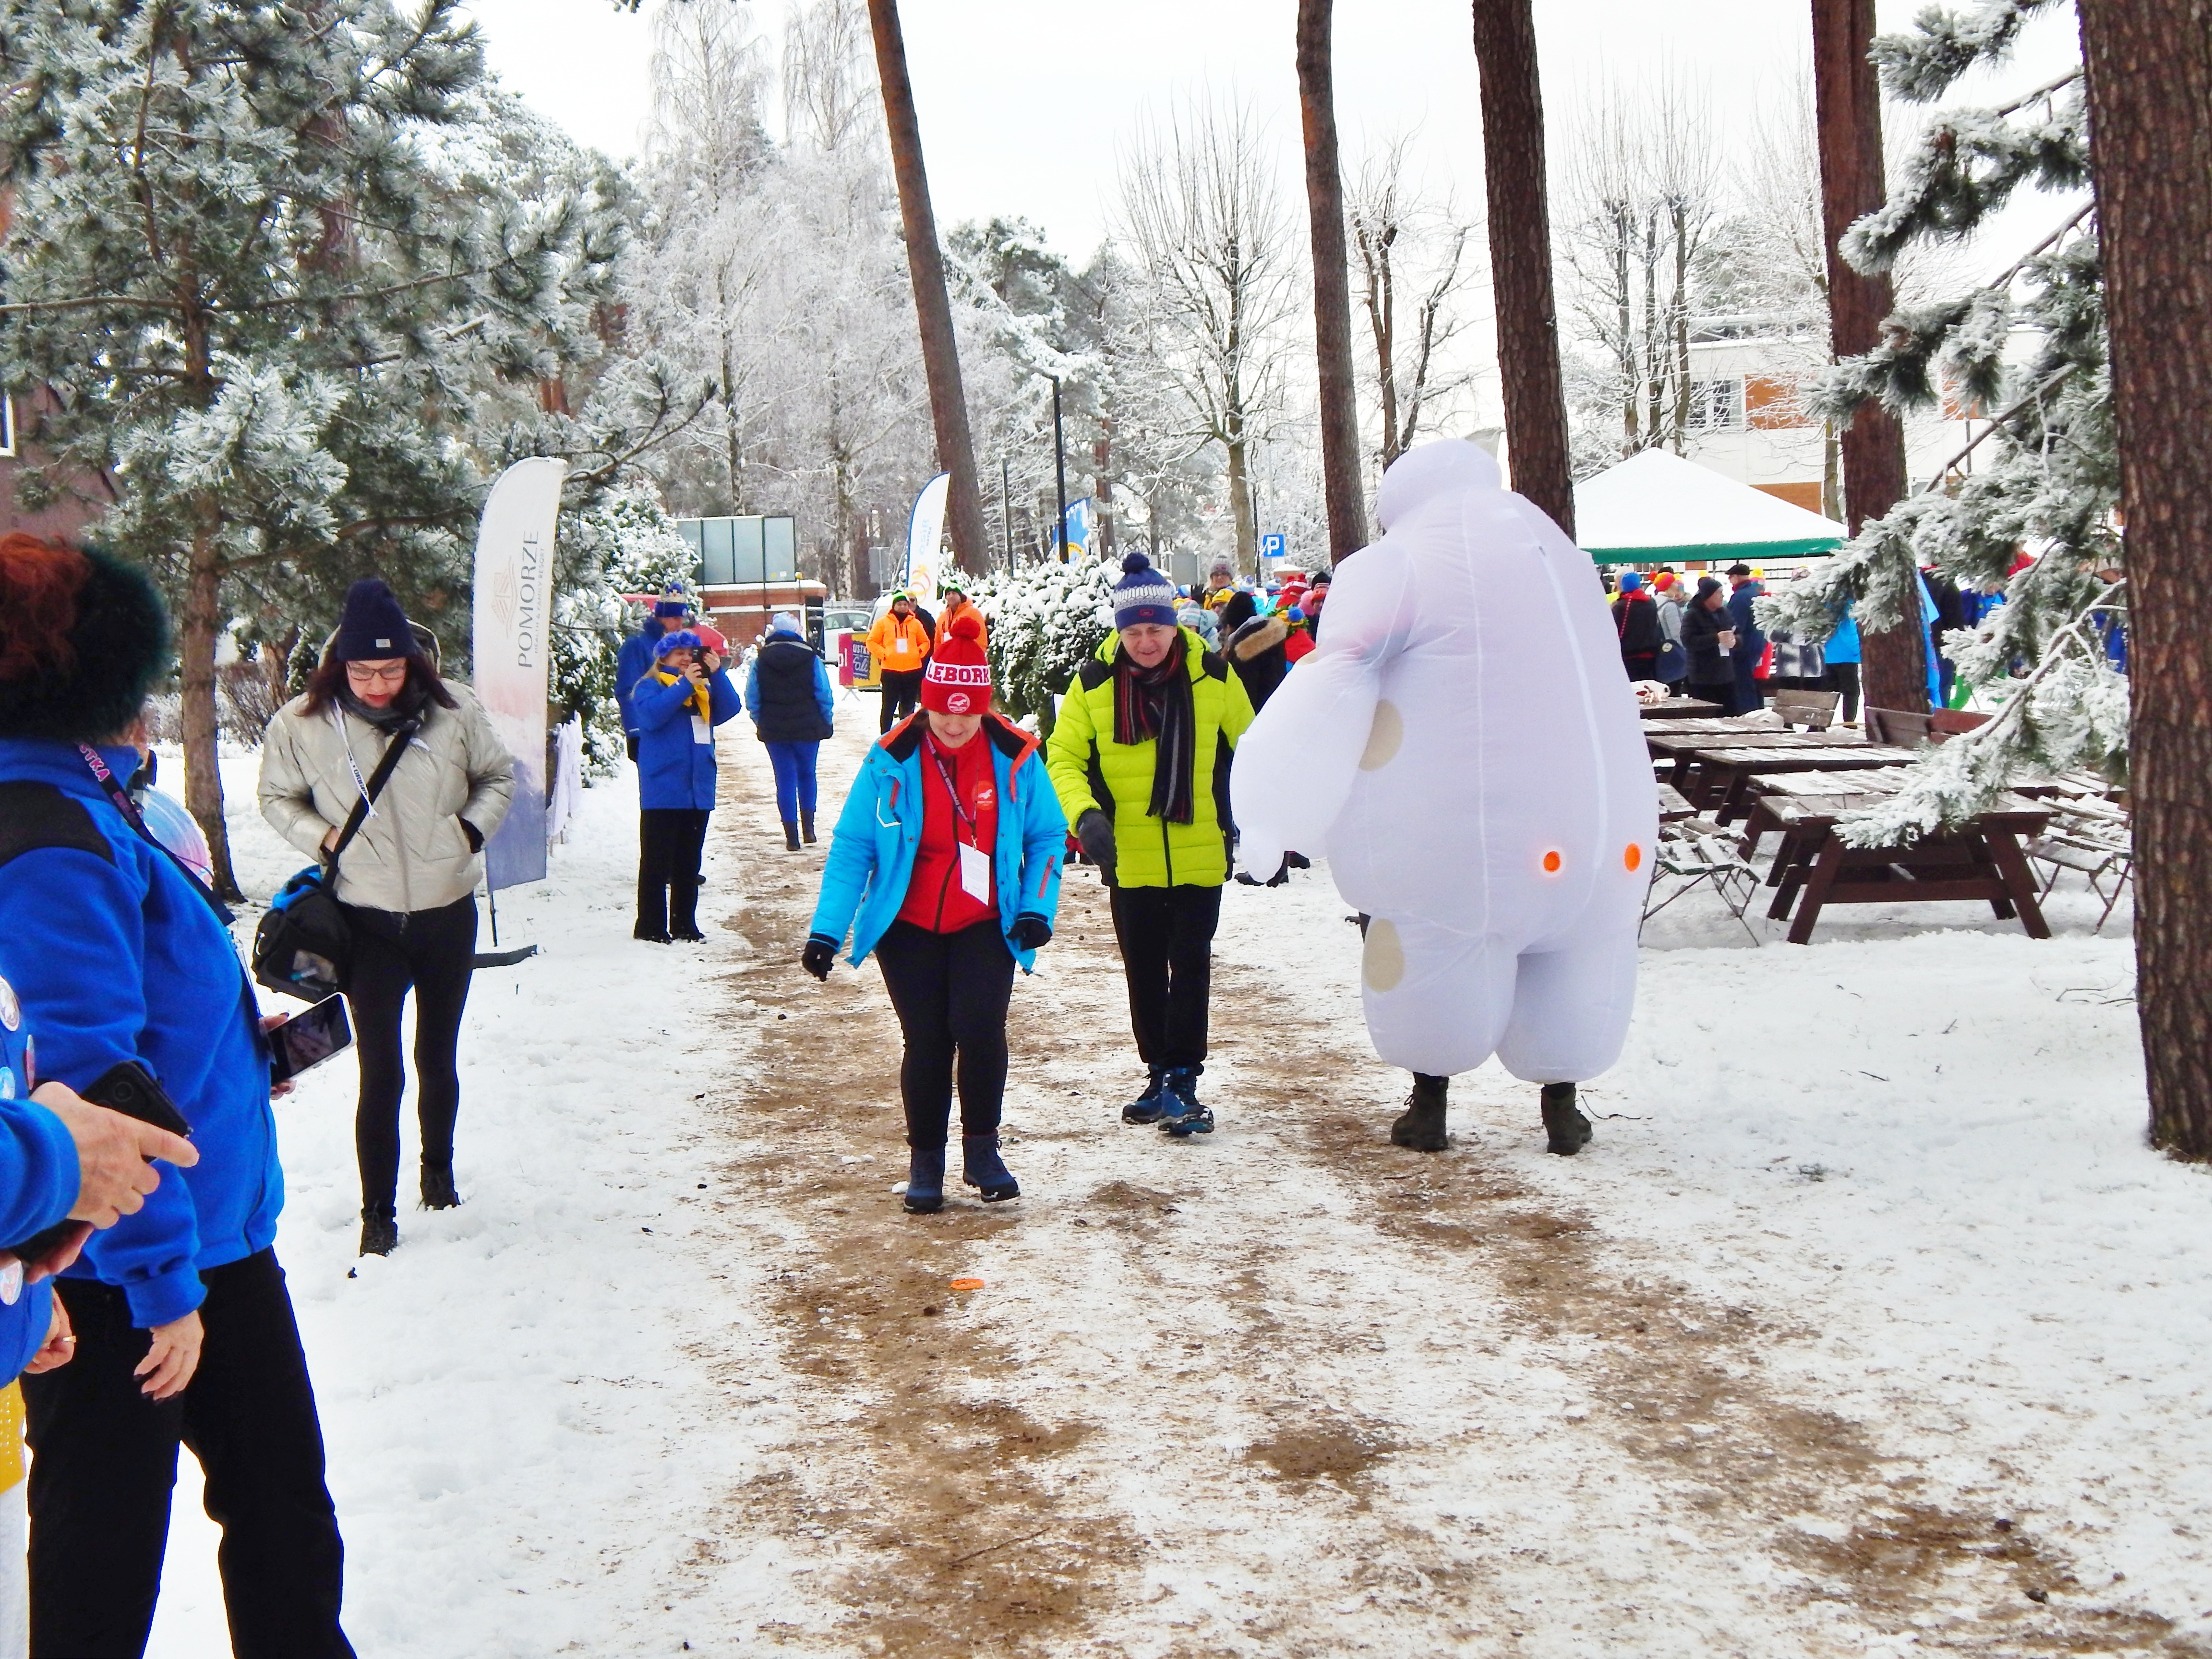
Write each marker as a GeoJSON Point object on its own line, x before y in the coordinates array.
{"type": "Point", "coordinates": [629, 743]}
{"type": "Point", "coordinates": [820, 954]}
{"type": "Point", "coordinates": [1031, 931]}
{"type": "Point", "coordinates": [1094, 833]}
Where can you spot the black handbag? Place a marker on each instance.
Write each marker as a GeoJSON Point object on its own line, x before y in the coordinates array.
{"type": "Point", "coordinates": [304, 946]}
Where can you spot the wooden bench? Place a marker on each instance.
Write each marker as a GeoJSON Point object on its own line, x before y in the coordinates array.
{"type": "Point", "coordinates": [1813, 710]}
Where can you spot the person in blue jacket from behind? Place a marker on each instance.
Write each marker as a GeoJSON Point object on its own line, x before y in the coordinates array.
{"type": "Point", "coordinates": [950, 782]}
{"type": "Point", "coordinates": [635, 659]}
{"type": "Point", "coordinates": [677, 704]}
{"type": "Point", "coordinates": [787, 694]}
{"type": "Point", "coordinates": [184, 1328]}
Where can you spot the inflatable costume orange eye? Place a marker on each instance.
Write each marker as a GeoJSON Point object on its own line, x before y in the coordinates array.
{"type": "Point", "coordinates": [1633, 858]}
{"type": "Point", "coordinates": [1552, 864]}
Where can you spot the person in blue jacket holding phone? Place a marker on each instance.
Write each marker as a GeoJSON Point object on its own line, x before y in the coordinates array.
{"type": "Point", "coordinates": [184, 1330]}
{"type": "Point", "coordinates": [677, 706]}
{"type": "Point", "coordinates": [945, 865]}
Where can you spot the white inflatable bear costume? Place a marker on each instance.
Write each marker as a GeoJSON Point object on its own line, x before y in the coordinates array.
{"type": "Point", "coordinates": [1464, 750]}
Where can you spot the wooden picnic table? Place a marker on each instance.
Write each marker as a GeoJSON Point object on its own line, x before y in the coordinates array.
{"type": "Point", "coordinates": [1674, 805]}
{"type": "Point", "coordinates": [1982, 861]}
{"type": "Point", "coordinates": [1810, 789]}
{"type": "Point", "coordinates": [1681, 708]}
{"type": "Point", "coordinates": [1724, 775]}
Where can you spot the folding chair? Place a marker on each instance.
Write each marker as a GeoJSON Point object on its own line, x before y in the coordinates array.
{"type": "Point", "coordinates": [1697, 852]}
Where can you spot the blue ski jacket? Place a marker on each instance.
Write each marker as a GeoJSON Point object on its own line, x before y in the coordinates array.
{"type": "Point", "coordinates": [39, 1179]}
{"type": "Point", "coordinates": [864, 880]}
{"type": "Point", "coordinates": [675, 764]}
{"type": "Point", "coordinates": [632, 663]}
{"type": "Point", "coordinates": [115, 957]}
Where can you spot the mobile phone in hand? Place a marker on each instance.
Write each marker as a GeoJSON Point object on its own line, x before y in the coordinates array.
{"type": "Point", "coordinates": [129, 1088]}
{"type": "Point", "coordinates": [309, 1039]}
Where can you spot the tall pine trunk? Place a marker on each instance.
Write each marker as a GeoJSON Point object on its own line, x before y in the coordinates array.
{"type": "Point", "coordinates": [940, 356]}
{"type": "Point", "coordinates": [1520, 257]}
{"type": "Point", "coordinates": [1340, 412]}
{"type": "Point", "coordinates": [2150, 124]}
{"type": "Point", "coordinates": [1847, 95]}
{"type": "Point", "coordinates": [199, 627]}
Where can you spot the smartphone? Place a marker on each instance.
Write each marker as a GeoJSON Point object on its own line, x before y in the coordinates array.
{"type": "Point", "coordinates": [309, 1039]}
{"type": "Point", "coordinates": [129, 1088]}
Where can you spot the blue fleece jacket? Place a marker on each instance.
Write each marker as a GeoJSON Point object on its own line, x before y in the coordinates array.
{"type": "Point", "coordinates": [632, 663]}
{"type": "Point", "coordinates": [38, 1181]}
{"type": "Point", "coordinates": [864, 880]}
{"type": "Point", "coordinates": [675, 765]}
{"type": "Point", "coordinates": [824, 698]}
{"type": "Point", "coordinates": [115, 957]}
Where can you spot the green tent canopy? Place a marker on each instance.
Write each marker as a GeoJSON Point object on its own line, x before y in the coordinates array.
{"type": "Point", "coordinates": [1657, 509]}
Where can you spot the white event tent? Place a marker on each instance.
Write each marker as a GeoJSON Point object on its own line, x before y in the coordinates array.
{"type": "Point", "coordinates": [1655, 508]}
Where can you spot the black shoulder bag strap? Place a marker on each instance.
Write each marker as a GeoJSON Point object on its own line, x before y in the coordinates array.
{"type": "Point", "coordinates": [120, 798]}
{"type": "Point", "coordinates": [393, 751]}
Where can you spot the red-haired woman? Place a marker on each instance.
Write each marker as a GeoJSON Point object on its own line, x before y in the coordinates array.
{"type": "Point", "coordinates": [408, 877]}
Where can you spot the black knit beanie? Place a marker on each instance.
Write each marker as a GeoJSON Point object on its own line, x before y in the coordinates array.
{"type": "Point", "coordinates": [373, 625]}
{"type": "Point", "coordinates": [121, 640]}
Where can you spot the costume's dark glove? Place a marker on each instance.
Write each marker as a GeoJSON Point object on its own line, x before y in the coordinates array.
{"type": "Point", "coordinates": [629, 743]}
{"type": "Point", "coordinates": [1094, 832]}
{"type": "Point", "coordinates": [819, 956]}
{"type": "Point", "coordinates": [1031, 931]}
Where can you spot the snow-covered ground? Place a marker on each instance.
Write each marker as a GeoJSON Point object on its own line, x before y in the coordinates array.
{"type": "Point", "coordinates": [1866, 1315]}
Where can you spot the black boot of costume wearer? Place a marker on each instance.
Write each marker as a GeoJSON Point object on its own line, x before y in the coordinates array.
{"type": "Point", "coordinates": [380, 1234]}
{"type": "Point", "coordinates": [981, 1168]}
{"type": "Point", "coordinates": [683, 911]}
{"type": "Point", "coordinates": [439, 1191]}
{"type": "Point", "coordinates": [806, 828]}
{"type": "Point", "coordinates": [1421, 1125]}
{"type": "Point", "coordinates": [925, 1179]}
{"type": "Point", "coordinates": [790, 836]}
{"type": "Point", "coordinates": [1568, 1130]}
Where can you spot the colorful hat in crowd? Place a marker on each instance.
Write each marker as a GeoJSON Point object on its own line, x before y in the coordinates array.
{"type": "Point", "coordinates": [1631, 581]}
{"type": "Point", "coordinates": [1143, 595]}
{"type": "Point", "coordinates": [678, 639]}
{"type": "Point", "coordinates": [959, 678]}
{"type": "Point", "coordinates": [672, 602]}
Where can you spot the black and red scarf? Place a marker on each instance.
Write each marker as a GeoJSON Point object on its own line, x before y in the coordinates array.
{"type": "Point", "coordinates": [1154, 703]}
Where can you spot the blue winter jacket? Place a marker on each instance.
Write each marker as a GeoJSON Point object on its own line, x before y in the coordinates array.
{"type": "Point", "coordinates": [39, 1179]}
{"type": "Point", "coordinates": [632, 663]}
{"type": "Point", "coordinates": [864, 880]}
{"type": "Point", "coordinates": [674, 767]}
{"type": "Point", "coordinates": [116, 956]}
{"type": "Point", "coordinates": [1750, 641]}
{"type": "Point", "coordinates": [824, 698]}
{"type": "Point", "coordinates": [1843, 645]}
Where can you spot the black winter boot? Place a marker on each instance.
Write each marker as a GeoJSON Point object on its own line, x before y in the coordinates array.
{"type": "Point", "coordinates": [439, 1191]}
{"type": "Point", "coordinates": [652, 912]}
{"type": "Point", "coordinates": [982, 1168]}
{"type": "Point", "coordinates": [1421, 1125]}
{"type": "Point", "coordinates": [1148, 1107]}
{"type": "Point", "coordinates": [1568, 1130]}
{"type": "Point", "coordinates": [683, 911]}
{"type": "Point", "coordinates": [380, 1234]}
{"type": "Point", "coordinates": [790, 836]}
{"type": "Point", "coordinates": [806, 828]}
{"type": "Point", "coordinates": [1182, 1113]}
{"type": "Point", "coordinates": [925, 1179]}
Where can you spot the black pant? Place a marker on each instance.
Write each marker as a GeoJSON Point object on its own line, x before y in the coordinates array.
{"type": "Point", "coordinates": [902, 692]}
{"type": "Point", "coordinates": [672, 843]}
{"type": "Point", "coordinates": [1844, 676]}
{"type": "Point", "coordinates": [950, 990]}
{"type": "Point", "coordinates": [1166, 935]}
{"type": "Point", "coordinates": [106, 1461]}
{"type": "Point", "coordinates": [434, 951]}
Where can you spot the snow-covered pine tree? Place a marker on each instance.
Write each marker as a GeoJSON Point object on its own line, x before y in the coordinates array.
{"type": "Point", "coordinates": [1046, 620]}
{"type": "Point", "coordinates": [622, 541]}
{"type": "Point", "coordinates": [2027, 352]}
{"type": "Point", "coordinates": [261, 316]}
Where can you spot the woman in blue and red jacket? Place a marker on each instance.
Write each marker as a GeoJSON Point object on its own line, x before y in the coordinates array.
{"type": "Point", "coordinates": [945, 863]}
{"type": "Point", "coordinates": [677, 706]}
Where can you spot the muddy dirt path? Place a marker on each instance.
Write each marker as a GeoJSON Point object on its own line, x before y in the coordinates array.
{"type": "Point", "coordinates": [1285, 1389]}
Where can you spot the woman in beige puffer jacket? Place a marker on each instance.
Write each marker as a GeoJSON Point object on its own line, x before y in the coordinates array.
{"type": "Point", "coordinates": [407, 880]}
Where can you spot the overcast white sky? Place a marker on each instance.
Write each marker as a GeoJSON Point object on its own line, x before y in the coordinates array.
{"type": "Point", "coordinates": [1024, 102]}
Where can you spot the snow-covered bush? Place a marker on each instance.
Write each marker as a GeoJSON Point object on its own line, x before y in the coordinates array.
{"type": "Point", "coordinates": [1046, 619]}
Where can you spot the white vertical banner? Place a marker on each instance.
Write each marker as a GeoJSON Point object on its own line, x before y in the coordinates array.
{"type": "Point", "coordinates": [924, 538]}
{"type": "Point", "coordinates": [513, 650]}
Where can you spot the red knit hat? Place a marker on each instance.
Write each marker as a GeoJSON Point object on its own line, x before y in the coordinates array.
{"type": "Point", "coordinates": [958, 680]}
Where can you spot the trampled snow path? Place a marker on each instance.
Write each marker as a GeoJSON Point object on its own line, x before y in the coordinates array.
{"type": "Point", "coordinates": [1873, 1261]}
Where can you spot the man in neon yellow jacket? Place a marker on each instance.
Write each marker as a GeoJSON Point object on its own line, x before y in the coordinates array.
{"type": "Point", "coordinates": [1139, 757]}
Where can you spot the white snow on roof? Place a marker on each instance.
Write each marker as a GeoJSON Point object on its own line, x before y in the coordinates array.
{"type": "Point", "coordinates": [1657, 502]}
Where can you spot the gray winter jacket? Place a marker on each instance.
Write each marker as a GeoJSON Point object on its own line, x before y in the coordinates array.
{"type": "Point", "coordinates": [412, 852]}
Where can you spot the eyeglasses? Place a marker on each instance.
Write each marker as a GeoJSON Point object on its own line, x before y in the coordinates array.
{"type": "Point", "coordinates": [361, 673]}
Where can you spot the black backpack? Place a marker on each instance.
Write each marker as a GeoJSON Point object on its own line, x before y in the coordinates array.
{"type": "Point", "coordinates": [304, 946]}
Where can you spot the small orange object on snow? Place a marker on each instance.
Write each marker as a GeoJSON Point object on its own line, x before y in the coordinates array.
{"type": "Point", "coordinates": [966, 1283]}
